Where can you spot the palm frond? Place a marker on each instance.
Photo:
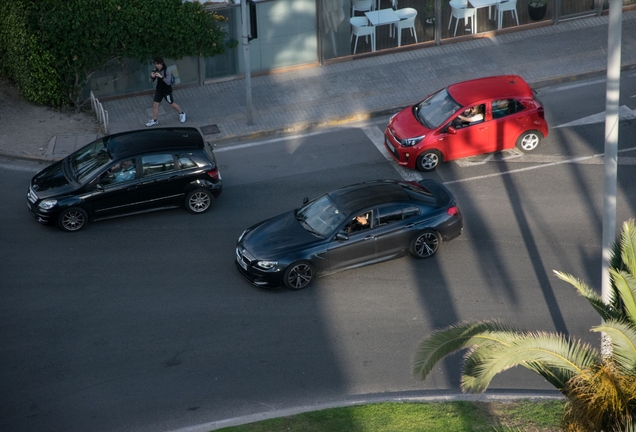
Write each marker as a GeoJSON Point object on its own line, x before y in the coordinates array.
{"type": "Point", "coordinates": [625, 285]}
{"type": "Point", "coordinates": [442, 343]}
{"type": "Point", "coordinates": [606, 311]}
{"type": "Point", "coordinates": [555, 353]}
{"type": "Point", "coordinates": [623, 337]}
{"type": "Point", "coordinates": [628, 246]}
{"type": "Point", "coordinates": [554, 376]}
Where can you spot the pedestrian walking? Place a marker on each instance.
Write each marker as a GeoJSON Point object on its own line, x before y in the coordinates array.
{"type": "Point", "coordinates": [163, 91]}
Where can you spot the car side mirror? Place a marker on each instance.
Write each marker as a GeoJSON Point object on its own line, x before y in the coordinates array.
{"type": "Point", "coordinates": [342, 237]}
{"type": "Point", "coordinates": [305, 200]}
{"type": "Point", "coordinates": [451, 130]}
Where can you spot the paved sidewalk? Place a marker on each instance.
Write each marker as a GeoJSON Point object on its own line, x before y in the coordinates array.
{"type": "Point", "coordinates": [334, 94]}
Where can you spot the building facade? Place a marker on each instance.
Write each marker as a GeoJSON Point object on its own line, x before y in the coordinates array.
{"type": "Point", "coordinates": [301, 33]}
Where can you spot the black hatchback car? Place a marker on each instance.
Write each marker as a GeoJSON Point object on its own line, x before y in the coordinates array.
{"type": "Point", "coordinates": [127, 173]}
{"type": "Point", "coordinates": [350, 227]}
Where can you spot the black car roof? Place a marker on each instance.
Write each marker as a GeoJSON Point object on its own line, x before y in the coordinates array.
{"type": "Point", "coordinates": [150, 140]}
{"type": "Point", "coordinates": [355, 197]}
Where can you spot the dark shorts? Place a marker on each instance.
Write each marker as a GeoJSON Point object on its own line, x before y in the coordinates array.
{"type": "Point", "coordinates": [159, 95]}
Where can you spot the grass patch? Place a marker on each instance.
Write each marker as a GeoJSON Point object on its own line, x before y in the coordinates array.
{"type": "Point", "coordinates": [521, 415]}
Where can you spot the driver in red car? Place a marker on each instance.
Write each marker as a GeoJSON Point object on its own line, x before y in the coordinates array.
{"type": "Point", "coordinates": [471, 115]}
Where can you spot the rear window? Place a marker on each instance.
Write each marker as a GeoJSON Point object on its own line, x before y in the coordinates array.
{"type": "Point", "coordinates": [208, 151]}
{"type": "Point", "coordinates": [420, 194]}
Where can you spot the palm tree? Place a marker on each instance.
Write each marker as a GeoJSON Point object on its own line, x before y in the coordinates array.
{"type": "Point", "coordinates": [600, 390]}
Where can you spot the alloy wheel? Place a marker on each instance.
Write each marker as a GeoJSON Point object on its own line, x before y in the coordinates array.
{"type": "Point", "coordinates": [426, 244]}
{"type": "Point", "coordinates": [199, 201]}
{"type": "Point", "coordinates": [299, 276]}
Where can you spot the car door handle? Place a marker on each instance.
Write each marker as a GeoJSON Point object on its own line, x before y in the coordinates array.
{"type": "Point", "coordinates": [176, 176]}
{"type": "Point", "coordinates": [133, 187]}
{"type": "Point", "coordinates": [148, 182]}
{"type": "Point", "coordinates": [369, 237]}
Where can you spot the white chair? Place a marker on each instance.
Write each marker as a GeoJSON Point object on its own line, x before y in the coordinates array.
{"type": "Point", "coordinates": [509, 5]}
{"type": "Point", "coordinates": [361, 6]}
{"type": "Point", "coordinates": [465, 14]}
{"type": "Point", "coordinates": [360, 27]}
{"type": "Point", "coordinates": [457, 4]}
{"type": "Point", "coordinates": [407, 21]}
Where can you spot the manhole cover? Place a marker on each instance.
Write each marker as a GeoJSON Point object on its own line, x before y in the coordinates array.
{"type": "Point", "coordinates": [210, 129]}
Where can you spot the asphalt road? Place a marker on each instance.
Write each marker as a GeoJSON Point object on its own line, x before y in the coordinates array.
{"type": "Point", "coordinates": [143, 323]}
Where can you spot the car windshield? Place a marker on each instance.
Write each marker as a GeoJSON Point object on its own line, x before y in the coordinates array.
{"type": "Point", "coordinates": [88, 160]}
{"type": "Point", "coordinates": [436, 109]}
{"type": "Point", "coordinates": [320, 217]}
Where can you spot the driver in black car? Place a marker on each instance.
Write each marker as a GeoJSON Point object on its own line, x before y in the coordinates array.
{"type": "Point", "coordinates": [361, 222]}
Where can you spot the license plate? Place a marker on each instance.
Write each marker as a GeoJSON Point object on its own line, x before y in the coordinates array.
{"type": "Point", "coordinates": [388, 143]}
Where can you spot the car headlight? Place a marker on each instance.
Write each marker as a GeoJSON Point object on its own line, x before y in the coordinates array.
{"type": "Point", "coordinates": [410, 142]}
{"type": "Point", "coordinates": [47, 204]}
{"type": "Point", "coordinates": [267, 265]}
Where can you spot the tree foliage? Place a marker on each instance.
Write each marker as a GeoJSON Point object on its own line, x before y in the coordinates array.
{"type": "Point", "coordinates": [601, 391]}
{"type": "Point", "coordinates": [69, 40]}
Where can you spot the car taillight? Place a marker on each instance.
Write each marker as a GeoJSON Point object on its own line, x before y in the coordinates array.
{"type": "Point", "coordinates": [541, 113]}
{"type": "Point", "coordinates": [214, 173]}
{"type": "Point", "coordinates": [453, 211]}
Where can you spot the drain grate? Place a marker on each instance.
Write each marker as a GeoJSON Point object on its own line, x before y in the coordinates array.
{"type": "Point", "coordinates": [210, 129]}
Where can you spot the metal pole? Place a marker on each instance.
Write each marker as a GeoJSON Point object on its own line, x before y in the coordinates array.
{"type": "Point", "coordinates": [611, 149]}
{"type": "Point", "coordinates": [246, 58]}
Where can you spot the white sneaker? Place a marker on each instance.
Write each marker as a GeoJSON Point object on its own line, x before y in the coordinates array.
{"type": "Point", "coordinates": [152, 122]}
{"type": "Point", "coordinates": [182, 117]}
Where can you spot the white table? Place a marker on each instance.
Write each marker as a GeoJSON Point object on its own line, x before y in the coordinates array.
{"type": "Point", "coordinates": [477, 4]}
{"type": "Point", "coordinates": [383, 17]}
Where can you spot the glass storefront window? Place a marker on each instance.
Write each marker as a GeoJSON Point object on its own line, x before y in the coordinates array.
{"type": "Point", "coordinates": [573, 7]}
{"type": "Point", "coordinates": [338, 35]}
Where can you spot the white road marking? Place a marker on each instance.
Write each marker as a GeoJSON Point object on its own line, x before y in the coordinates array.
{"type": "Point", "coordinates": [376, 136]}
{"type": "Point", "coordinates": [576, 85]}
{"type": "Point", "coordinates": [624, 113]}
{"type": "Point", "coordinates": [582, 159]}
{"type": "Point", "coordinates": [269, 141]}
{"type": "Point", "coordinates": [19, 168]}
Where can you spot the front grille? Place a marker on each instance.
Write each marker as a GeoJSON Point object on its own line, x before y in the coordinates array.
{"type": "Point", "coordinates": [32, 196]}
{"type": "Point", "coordinates": [243, 256]}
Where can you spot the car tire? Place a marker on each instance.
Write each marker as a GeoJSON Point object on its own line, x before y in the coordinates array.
{"type": "Point", "coordinates": [72, 219]}
{"type": "Point", "coordinates": [428, 160]}
{"type": "Point", "coordinates": [425, 244]}
{"type": "Point", "coordinates": [198, 201]}
{"type": "Point", "coordinates": [529, 141]}
{"type": "Point", "coordinates": [298, 275]}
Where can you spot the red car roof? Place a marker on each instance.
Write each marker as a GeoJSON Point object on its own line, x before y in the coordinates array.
{"type": "Point", "coordinates": [495, 87]}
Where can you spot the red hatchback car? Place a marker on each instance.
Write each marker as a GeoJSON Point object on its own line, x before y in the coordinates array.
{"type": "Point", "coordinates": [465, 119]}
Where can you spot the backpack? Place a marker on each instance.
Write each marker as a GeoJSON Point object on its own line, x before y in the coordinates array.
{"type": "Point", "coordinates": [171, 79]}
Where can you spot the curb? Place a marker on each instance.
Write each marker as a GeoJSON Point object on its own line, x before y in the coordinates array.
{"type": "Point", "coordinates": [453, 397]}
